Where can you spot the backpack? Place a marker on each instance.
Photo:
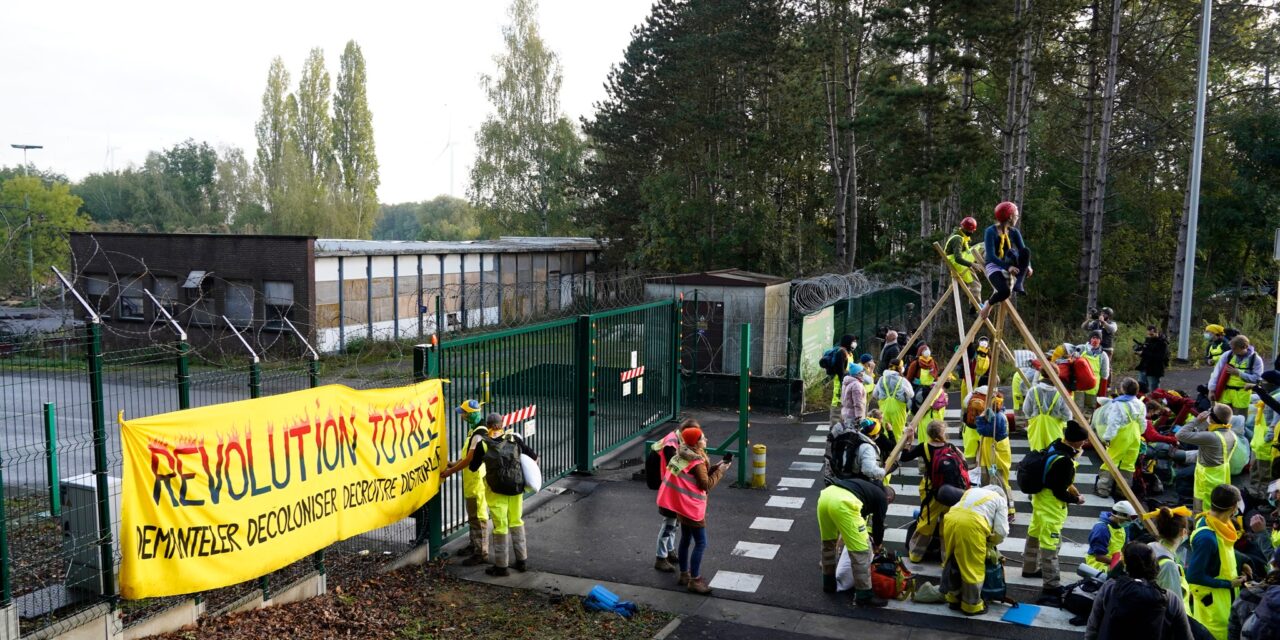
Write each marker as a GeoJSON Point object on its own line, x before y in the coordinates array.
{"type": "Point", "coordinates": [947, 467]}
{"type": "Point", "coordinates": [1264, 624]}
{"type": "Point", "coordinates": [653, 467]}
{"type": "Point", "coordinates": [1078, 599]}
{"type": "Point", "coordinates": [977, 405]}
{"type": "Point", "coordinates": [994, 588]}
{"type": "Point", "coordinates": [1140, 611]}
{"type": "Point", "coordinates": [844, 455]}
{"type": "Point", "coordinates": [834, 361]}
{"type": "Point", "coordinates": [1034, 469]}
{"type": "Point", "coordinates": [502, 468]}
{"type": "Point", "coordinates": [889, 576]}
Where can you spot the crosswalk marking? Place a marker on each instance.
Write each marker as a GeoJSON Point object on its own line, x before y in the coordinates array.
{"type": "Point", "coordinates": [734, 581]}
{"type": "Point", "coordinates": [1049, 617]}
{"type": "Point", "coordinates": [818, 439]}
{"type": "Point", "coordinates": [824, 427]}
{"type": "Point", "coordinates": [1010, 547]}
{"type": "Point", "coordinates": [1090, 500]}
{"type": "Point", "coordinates": [1082, 479]}
{"type": "Point", "coordinates": [796, 483]}
{"type": "Point", "coordinates": [809, 451]}
{"type": "Point", "coordinates": [757, 550]}
{"type": "Point", "coordinates": [1023, 518]}
{"type": "Point", "coordinates": [783, 502]}
{"type": "Point", "coordinates": [772, 524]}
{"type": "Point", "coordinates": [805, 466]}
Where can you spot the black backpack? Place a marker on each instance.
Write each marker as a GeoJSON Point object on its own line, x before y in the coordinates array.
{"type": "Point", "coordinates": [1140, 612]}
{"type": "Point", "coordinates": [1034, 469]}
{"type": "Point", "coordinates": [502, 468]}
{"type": "Point", "coordinates": [1264, 624]}
{"type": "Point", "coordinates": [844, 455]}
{"type": "Point", "coordinates": [653, 469]}
{"type": "Point", "coordinates": [833, 361]}
{"type": "Point", "coordinates": [1078, 599]}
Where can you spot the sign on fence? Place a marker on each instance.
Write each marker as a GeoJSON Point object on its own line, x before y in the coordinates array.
{"type": "Point", "coordinates": [816, 332]}
{"type": "Point", "coordinates": [222, 494]}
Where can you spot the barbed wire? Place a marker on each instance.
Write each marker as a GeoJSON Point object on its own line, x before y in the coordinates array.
{"type": "Point", "coordinates": [810, 295]}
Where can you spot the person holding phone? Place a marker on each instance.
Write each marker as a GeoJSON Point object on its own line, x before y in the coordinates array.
{"type": "Point", "coordinates": [690, 477]}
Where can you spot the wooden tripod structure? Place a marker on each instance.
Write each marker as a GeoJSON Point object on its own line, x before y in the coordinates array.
{"type": "Point", "coordinates": [1006, 310]}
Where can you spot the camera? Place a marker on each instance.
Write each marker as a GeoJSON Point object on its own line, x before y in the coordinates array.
{"type": "Point", "coordinates": [1093, 313]}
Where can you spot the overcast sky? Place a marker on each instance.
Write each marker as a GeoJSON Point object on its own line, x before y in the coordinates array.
{"type": "Point", "coordinates": [100, 84]}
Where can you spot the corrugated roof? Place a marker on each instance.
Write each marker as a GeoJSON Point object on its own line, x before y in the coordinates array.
{"type": "Point", "coordinates": [722, 278]}
{"type": "Point", "coordinates": [506, 244]}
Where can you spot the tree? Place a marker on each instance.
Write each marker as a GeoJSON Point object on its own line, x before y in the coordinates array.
{"type": "Point", "coordinates": [38, 215]}
{"type": "Point", "coordinates": [355, 154]}
{"type": "Point", "coordinates": [528, 153]}
{"type": "Point", "coordinates": [278, 155]}
{"type": "Point", "coordinates": [238, 193]}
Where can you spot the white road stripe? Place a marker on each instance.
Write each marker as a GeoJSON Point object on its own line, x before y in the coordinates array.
{"type": "Point", "coordinates": [734, 581]}
{"type": "Point", "coordinates": [818, 439]}
{"type": "Point", "coordinates": [1021, 498]}
{"type": "Point", "coordinates": [796, 483]}
{"type": "Point", "coordinates": [1023, 518]}
{"type": "Point", "coordinates": [1049, 617]}
{"type": "Point", "coordinates": [772, 524]}
{"type": "Point", "coordinates": [1085, 480]}
{"type": "Point", "coordinates": [784, 502]}
{"type": "Point", "coordinates": [824, 427]}
{"type": "Point", "coordinates": [805, 466]}
{"type": "Point", "coordinates": [808, 451]}
{"type": "Point", "coordinates": [1012, 572]}
{"type": "Point", "coordinates": [1010, 547]}
{"type": "Point", "coordinates": [757, 550]}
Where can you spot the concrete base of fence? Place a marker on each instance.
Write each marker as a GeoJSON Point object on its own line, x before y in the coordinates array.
{"type": "Point", "coordinates": [249, 602]}
{"type": "Point", "coordinates": [186, 614]}
{"type": "Point", "coordinates": [99, 623]}
{"type": "Point", "coordinates": [9, 622]}
{"type": "Point", "coordinates": [314, 584]}
{"type": "Point", "coordinates": [416, 556]}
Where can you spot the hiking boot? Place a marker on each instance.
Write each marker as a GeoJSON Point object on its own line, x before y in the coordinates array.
{"type": "Point", "coordinates": [521, 566]}
{"type": "Point", "coordinates": [1051, 596]}
{"type": "Point", "coordinates": [698, 585]}
{"type": "Point", "coordinates": [979, 612]}
{"type": "Point", "coordinates": [868, 599]}
{"type": "Point", "coordinates": [498, 572]}
{"type": "Point", "coordinates": [1033, 574]}
{"type": "Point", "coordinates": [663, 565]}
{"type": "Point", "coordinates": [674, 559]}
{"type": "Point", "coordinates": [466, 551]}
{"type": "Point", "coordinates": [684, 579]}
{"type": "Point", "coordinates": [954, 606]}
{"type": "Point", "coordinates": [474, 560]}
{"type": "Point", "coordinates": [828, 584]}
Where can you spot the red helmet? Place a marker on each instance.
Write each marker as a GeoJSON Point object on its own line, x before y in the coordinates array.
{"type": "Point", "coordinates": [1005, 211]}
{"type": "Point", "coordinates": [969, 224]}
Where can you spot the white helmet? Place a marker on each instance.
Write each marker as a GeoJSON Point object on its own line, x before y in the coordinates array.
{"type": "Point", "coordinates": [1125, 509]}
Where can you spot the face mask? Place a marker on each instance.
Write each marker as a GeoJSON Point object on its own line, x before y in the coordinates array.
{"type": "Point", "coordinates": [1208, 336]}
{"type": "Point", "coordinates": [926, 353]}
{"type": "Point", "coordinates": [983, 344]}
{"type": "Point", "coordinates": [1271, 499]}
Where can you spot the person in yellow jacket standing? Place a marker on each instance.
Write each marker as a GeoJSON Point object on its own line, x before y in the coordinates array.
{"type": "Point", "coordinates": [894, 394]}
{"type": "Point", "coordinates": [1211, 433]}
{"type": "Point", "coordinates": [1049, 510]}
{"type": "Point", "coordinates": [473, 489]}
{"type": "Point", "coordinates": [1046, 413]}
{"type": "Point", "coordinates": [505, 496]}
{"type": "Point", "coordinates": [995, 457]}
{"type": "Point", "coordinates": [1100, 362]}
{"type": "Point", "coordinates": [1242, 368]}
{"type": "Point", "coordinates": [1121, 424]}
{"type": "Point", "coordinates": [962, 256]}
{"type": "Point", "coordinates": [1215, 343]}
{"type": "Point", "coordinates": [1212, 575]}
{"type": "Point", "coordinates": [971, 531]}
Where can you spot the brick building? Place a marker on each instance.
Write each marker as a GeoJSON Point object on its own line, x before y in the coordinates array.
{"type": "Point", "coordinates": [333, 291]}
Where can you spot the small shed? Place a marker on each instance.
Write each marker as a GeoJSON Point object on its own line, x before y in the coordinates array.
{"type": "Point", "coordinates": [716, 303]}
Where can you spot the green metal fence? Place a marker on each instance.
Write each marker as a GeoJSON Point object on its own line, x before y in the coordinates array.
{"type": "Point", "coordinates": [576, 388]}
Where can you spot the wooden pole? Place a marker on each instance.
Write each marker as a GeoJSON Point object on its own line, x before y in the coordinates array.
{"type": "Point", "coordinates": [964, 353]}
{"type": "Point", "coordinates": [942, 301]}
{"type": "Point", "coordinates": [1052, 371]}
{"type": "Point", "coordinates": [933, 394]}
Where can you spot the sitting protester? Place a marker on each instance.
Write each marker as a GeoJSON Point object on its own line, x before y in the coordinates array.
{"type": "Point", "coordinates": [1134, 607]}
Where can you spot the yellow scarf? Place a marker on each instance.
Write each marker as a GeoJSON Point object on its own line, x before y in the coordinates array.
{"type": "Point", "coordinates": [1223, 528]}
{"type": "Point", "coordinates": [1004, 242]}
{"type": "Point", "coordinates": [1216, 427]}
{"type": "Point", "coordinates": [926, 362]}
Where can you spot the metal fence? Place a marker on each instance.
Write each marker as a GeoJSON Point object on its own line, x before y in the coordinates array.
{"type": "Point", "coordinates": [579, 387]}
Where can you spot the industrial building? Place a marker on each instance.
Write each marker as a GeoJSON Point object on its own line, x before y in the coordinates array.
{"type": "Point", "coordinates": [333, 291]}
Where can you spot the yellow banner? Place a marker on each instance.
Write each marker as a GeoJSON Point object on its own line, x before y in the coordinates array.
{"type": "Point", "coordinates": [222, 494]}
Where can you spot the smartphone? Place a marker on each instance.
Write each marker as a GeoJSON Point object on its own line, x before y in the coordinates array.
{"type": "Point", "coordinates": [728, 457]}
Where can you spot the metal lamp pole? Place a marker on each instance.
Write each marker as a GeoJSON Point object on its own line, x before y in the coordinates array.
{"type": "Point", "coordinates": [31, 260]}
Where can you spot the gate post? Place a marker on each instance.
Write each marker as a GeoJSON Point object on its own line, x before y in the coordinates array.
{"type": "Point", "coordinates": [584, 409]}
{"type": "Point", "coordinates": [429, 520]}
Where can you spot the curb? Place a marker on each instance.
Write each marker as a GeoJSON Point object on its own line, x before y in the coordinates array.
{"type": "Point", "coordinates": [669, 629]}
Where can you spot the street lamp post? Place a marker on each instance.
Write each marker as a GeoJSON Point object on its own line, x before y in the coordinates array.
{"type": "Point", "coordinates": [31, 256]}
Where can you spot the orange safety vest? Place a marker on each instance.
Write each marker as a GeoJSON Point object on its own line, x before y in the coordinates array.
{"type": "Point", "coordinates": [680, 493]}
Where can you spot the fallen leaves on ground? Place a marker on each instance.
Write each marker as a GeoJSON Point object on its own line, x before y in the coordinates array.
{"type": "Point", "coordinates": [418, 603]}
